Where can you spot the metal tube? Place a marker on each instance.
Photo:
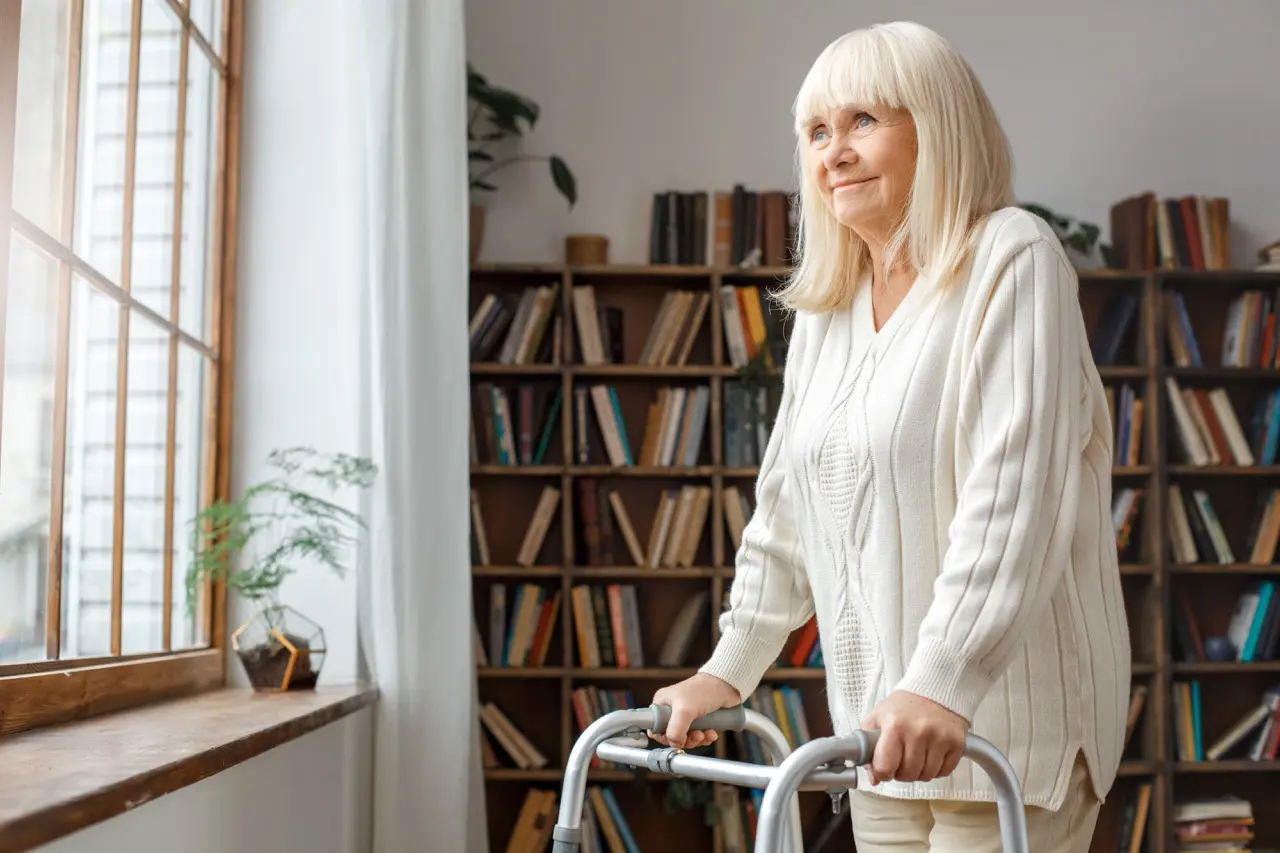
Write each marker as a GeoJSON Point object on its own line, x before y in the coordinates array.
{"type": "Point", "coordinates": [567, 835]}
{"type": "Point", "coordinates": [776, 742]}
{"type": "Point", "coordinates": [627, 728]}
{"type": "Point", "coordinates": [1013, 820]}
{"type": "Point", "coordinates": [859, 747]}
{"type": "Point", "coordinates": [741, 773]}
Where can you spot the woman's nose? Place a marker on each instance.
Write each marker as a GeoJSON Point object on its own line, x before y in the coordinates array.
{"type": "Point", "coordinates": [839, 152]}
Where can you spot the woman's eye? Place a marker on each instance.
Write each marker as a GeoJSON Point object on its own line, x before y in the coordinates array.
{"type": "Point", "coordinates": [818, 132]}
{"type": "Point", "coordinates": [863, 120]}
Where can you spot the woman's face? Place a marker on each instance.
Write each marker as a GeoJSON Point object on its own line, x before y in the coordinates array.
{"type": "Point", "coordinates": [863, 160]}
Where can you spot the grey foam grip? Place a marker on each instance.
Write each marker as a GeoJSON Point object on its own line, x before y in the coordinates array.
{"type": "Point", "coordinates": [724, 720]}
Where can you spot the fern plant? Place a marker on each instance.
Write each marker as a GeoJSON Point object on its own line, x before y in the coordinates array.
{"type": "Point", "coordinates": [285, 512]}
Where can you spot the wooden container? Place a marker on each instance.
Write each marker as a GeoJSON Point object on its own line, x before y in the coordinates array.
{"type": "Point", "coordinates": [585, 249]}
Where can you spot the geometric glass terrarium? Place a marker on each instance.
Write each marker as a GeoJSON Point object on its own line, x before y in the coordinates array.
{"type": "Point", "coordinates": [280, 649]}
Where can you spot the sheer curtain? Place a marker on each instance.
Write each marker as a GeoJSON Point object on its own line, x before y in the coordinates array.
{"type": "Point", "coordinates": [406, 98]}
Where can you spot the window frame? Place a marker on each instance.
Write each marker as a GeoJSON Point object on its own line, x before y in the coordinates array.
{"type": "Point", "coordinates": [59, 690]}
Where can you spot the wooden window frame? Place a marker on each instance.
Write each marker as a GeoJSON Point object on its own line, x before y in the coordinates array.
{"type": "Point", "coordinates": [53, 691]}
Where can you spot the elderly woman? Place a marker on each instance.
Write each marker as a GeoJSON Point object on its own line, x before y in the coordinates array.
{"type": "Point", "coordinates": [937, 485]}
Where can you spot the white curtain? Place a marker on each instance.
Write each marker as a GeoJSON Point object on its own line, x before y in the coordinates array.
{"type": "Point", "coordinates": [406, 98]}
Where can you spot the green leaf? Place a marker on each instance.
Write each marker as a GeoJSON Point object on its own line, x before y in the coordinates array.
{"type": "Point", "coordinates": [564, 180]}
{"type": "Point", "coordinates": [296, 522]}
{"type": "Point", "coordinates": [506, 109]}
{"type": "Point", "coordinates": [1110, 256]}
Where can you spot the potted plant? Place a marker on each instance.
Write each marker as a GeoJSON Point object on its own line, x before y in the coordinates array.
{"type": "Point", "coordinates": [1079, 238]}
{"type": "Point", "coordinates": [495, 117]}
{"type": "Point", "coordinates": [286, 520]}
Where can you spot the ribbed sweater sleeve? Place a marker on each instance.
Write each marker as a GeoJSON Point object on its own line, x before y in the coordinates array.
{"type": "Point", "coordinates": [770, 596]}
{"type": "Point", "coordinates": [1019, 437]}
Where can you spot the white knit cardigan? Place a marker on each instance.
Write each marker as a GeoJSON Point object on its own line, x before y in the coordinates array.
{"type": "Point", "coordinates": [939, 492]}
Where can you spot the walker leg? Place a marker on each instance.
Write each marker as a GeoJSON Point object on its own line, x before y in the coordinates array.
{"type": "Point", "coordinates": [859, 747]}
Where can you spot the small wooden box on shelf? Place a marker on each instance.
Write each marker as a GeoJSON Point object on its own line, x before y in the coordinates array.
{"type": "Point", "coordinates": [614, 451]}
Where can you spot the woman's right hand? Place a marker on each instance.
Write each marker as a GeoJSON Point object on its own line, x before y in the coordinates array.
{"type": "Point", "coordinates": [698, 694]}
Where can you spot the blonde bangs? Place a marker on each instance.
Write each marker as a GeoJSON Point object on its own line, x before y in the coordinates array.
{"type": "Point", "coordinates": [964, 167]}
{"type": "Point", "coordinates": [856, 69]}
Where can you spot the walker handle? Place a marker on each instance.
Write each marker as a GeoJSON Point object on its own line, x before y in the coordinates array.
{"type": "Point", "coordinates": [725, 720]}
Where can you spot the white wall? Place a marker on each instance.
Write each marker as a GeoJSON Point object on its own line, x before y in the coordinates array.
{"type": "Point", "coordinates": [296, 383]}
{"type": "Point", "coordinates": [1100, 100]}
{"type": "Point", "coordinates": [297, 349]}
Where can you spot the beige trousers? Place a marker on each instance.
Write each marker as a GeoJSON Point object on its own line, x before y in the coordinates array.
{"type": "Point", "coordinates": [887, 825]}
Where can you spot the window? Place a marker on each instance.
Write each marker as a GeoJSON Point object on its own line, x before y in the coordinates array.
{"type": "Point", "coordinates": [117, 170]}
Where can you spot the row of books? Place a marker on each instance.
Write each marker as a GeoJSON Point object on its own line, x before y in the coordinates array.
{"type": "Point", "coordinates": [1196, 534]}
{"type": "Point", "coordinates": [503, 432]}
{"type": "Point", "coordinates": [1223, 824]}
{"type": "Point", "coordinates": [606, 621]}
{"type": "Point", "coordinates": [1133, 820]}
{"type": "Point", "coordinates": [600, 328]}
{"type": "Point", "coordinates": [1253, 629]}
{"type": "Point", "coordinates": [590, 702]}
{"type": "Point", "coordinates": [751, 327]}
{"type": "Point", "coordinates": [679, 522]}
{"type": "Point", "coordinates": [604, 826]}
{"type": "Point", "coordinates": [606, 624]}
{"type": "Point", "coordinates": [522, 637]}
{"type": "Point", "coordinates": [607, 628]}
{"type": "Point", "coordinates": [740, 807]}
{"type": "Point", "coordinates": [736, 227]}
{"type": "Point", "coordinates": [511, 329]}
{"type": "Point", "coordinates": [679, 526]}
{"type": "Point", "coordinates": [1126, 503]}
{"type": "Point", "coordinates": [784, 707]}
{"type": "Point", "coordinates": [1249, 336]}
{"type": "Point", "coordinates": [674, 426]}
{"type": "Point", "coordinates": [1115, 328]}
{"type": "Point", "coordinates": [676, 533]}
{"type": "Point", "coordinates": [749, 413]}
{"type": "Point", "coordinates": [1126, 410]}
{"type": "Point", "coordinates": [1253, 737]}
{"type": "Point", "coordinates": [1207, 428]}
{"type": "Point", "coordinates": [507, 433]}
{"type": "Point", "coordinates": [803, 648]}
{"type": "Point", "coordinates": [1184, 232]}
{"type": "Point", "coordinates": [507, 737]}
{"type": "Point", "coordinates": [671, 338]}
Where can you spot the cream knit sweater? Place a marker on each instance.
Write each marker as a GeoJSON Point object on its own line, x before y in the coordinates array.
{"type": "Point", "coordinates": [939, 492]}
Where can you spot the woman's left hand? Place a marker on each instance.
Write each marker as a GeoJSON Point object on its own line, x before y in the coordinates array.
{"type": "Point", "coordinates": [919, 739]}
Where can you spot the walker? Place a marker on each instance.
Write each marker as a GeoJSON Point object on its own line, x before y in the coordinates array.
{"type": "Point", "coordinates": [823, 764]}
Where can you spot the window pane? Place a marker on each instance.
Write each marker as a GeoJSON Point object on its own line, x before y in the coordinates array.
{"type": "Point", "coordinates": [199, 170]}
{"type": "Point", "coordinates": [104, 100]}
{"type": "Point", "coordinates": [207, 16]}
{"type": "Point", "coordinates": [89, 490]}
{"type": "Point", "coordinates": [151, 275]}
{"type": "Point", "coordinates": [26, 450]}
{"type": "Point", "coordinates": [40, 144]}
{"type": "Point", "coordinates": [194, 376]}
{"type": "Point", "coordinates": [146, 430]}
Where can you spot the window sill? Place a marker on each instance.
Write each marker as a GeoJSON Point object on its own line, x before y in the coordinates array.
{"type": "Point", "coordinates": [60, 779]}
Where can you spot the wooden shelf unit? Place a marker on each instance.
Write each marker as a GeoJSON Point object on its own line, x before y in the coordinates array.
{"type": "Point", "coordinates": [538, 699]}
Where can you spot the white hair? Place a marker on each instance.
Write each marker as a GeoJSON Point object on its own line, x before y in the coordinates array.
{"type": "Point", "coordinates": [963, 170]}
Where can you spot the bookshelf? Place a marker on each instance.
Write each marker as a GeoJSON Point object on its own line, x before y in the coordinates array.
{"type": "Point", "coordinates": [1157, 577]}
